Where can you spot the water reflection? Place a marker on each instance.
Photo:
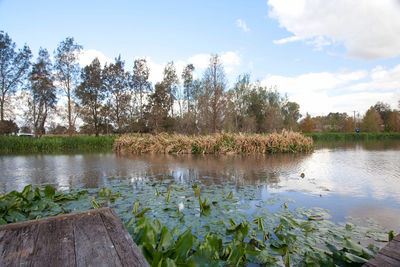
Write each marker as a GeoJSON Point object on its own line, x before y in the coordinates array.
{"type": "Point", "coordinates": [341, 177]}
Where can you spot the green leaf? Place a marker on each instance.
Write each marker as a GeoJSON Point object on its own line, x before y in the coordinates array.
{"type": "Point", "coordinates": [184, 244]}
{"type": "Point", "coordinates": [167, 241]}
{"type": "Point", "coordinates": [49, 192]}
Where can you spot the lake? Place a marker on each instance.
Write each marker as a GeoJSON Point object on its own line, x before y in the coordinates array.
{"type": "Point", "coordinates": [349, 179]}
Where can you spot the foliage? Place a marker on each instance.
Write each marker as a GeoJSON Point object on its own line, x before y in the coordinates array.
{"type": "Point", "coordinates": [43, 92]}
{"type": "Point", "coordinates": [91, 93]}
{"type": "Point", "coordinates": [8, 127]}
{"type": "Point", "coordinates": [35, 203]}
{"type": "Point", "coordinates": [225, 235]}
{"type": "Point", "coordinates": [16, 144]}
{"type": "Point", "coordinates": [14, 65]}
{"type": "Point", "coordinates": [214, 144]}
{"type": "Point", "coordinates": [372, 121]}
{"type": "Point", "coordinates": [307, 125]}
{"type": "Point", "coordinates": [353, 136]}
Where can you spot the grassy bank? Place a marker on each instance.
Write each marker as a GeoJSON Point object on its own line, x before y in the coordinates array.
{"type": "Point", "coordinates": [352, 136]}
{"type": "Point", "coordinates": [49, 144]}
{"type": "Point", "coordinates": [214, 144]}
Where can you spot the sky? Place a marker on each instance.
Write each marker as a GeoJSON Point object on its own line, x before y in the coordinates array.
{"type": "Point", "coordinates": [328, 56]}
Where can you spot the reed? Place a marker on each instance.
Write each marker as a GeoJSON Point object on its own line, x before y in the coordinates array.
{"type": "Point", "coordinates": [224, 143]}
{"type": "Point", "coordinates": [47, 144]}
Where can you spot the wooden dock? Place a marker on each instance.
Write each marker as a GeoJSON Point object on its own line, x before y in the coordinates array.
{"type": "Point", "coordinates": [388, 256]}
{"type": "Point", "coordinates": [91, 238]}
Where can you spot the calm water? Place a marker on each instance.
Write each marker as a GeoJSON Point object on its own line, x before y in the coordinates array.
{"type": "Point", "coordinates": [359, 180]}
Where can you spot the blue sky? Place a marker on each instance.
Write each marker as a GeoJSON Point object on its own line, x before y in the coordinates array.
{"type": "Point", "coordinates": [327, 57]}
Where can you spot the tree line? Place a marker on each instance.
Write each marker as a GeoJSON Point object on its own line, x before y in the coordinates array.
{"type": "Point", "coordinates": [110, 99]}
{"type": "Point", "coordinates": [378, 118]}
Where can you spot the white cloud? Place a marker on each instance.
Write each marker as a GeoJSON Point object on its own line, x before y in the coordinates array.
{"type": "Point", "coordinates": [369, 29]}
{"type": "Point", "coordinates": [242, 25]}
{"type": "Point", "coordinates": [86, 57]}
{"type": "Point", "coordinates": [230, 60]}
{"type": "Point", "coordinates": [344, 91]}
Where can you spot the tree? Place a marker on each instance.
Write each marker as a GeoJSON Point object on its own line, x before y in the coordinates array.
{"type": "Point", "coordinates": [240, 91]}
{"type": "Point", "coordinates": [43, 91]}
{"type": "Point", "coordinates": [8, 127]}
{"type": "Point", "coordinates": [116, 81]}
{"type": "Point", "coordinates": [214, 80]}
{"type": "Point", "coordinates": [140, 81]}
{"type": "Point", "coordinates": [394, 121]}
{"type": "Point", "coordinates": [291, 114]}
{"type": "Point", "coordinates": [157, 110]}
{"type": "Point", "coordinates": [14, 65]}
{"type": "Point", "coordinates": [349, 125]}
{"type": "Point", "coordinates": [187, 77]}
{"type": "Point", "coordinates": [372, 121]}
{"type": "Point", "coordinates": [67, 67]}
{"type": "Point", "coordinates": [307, 125]}
{"type": "Point", "coordinates": [170, 83]}
{"type": "Point", "coordinates": [384, 111]}
{"type": "Point", "coordinates": [91, 93]}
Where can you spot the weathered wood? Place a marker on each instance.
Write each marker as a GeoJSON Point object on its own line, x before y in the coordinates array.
{"type": "Point", "coordinates": [388, 256]}
{"type": "Point", "coordinates": [128, 251]}
{"type": "Point", "coordinates": [90, 238]}
{"type": "Point", "coordinates": [93, 246]}
{"type": "Point", "coordinates": [16, 247]}
{"type": "Point", "coordinates": [55, 243]}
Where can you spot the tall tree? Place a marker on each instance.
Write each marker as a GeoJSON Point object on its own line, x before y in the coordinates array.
{"type": "Point", "coordinates": [291, 114]}
{"type": "Point", "coordinates": [170, 83]}
{"type": "Point", "coordinates": [14, 65]}
{"type": "Point", "coordinates": [240, 90]}
{"type": "Point", "coordinates": [157, 110]}
{"type": "Point", "coordinates": [187, 77]}
{"type": "Point", "coordinates": [214, 80]}
{"type": "Point", "coordinates": [140, 81]}
{"type": "Point", "coordinates": [91, 93]}
{"type": "Point", "coordinates": [394, 121]}
{"type": "Point", "coordinates": [43, 91]}
{"type": "Point", "coordinates": [116, 81]}
{"type": "Point", "coordinates": [67, 67]}
{"type": "Point", "coordinates": [372, 121]}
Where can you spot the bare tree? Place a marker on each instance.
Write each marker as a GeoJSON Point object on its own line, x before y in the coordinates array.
{"type": "Point", "coordinates": [214, 78]}
{"type": "Point", "coordinates": [140, 81]}
{"type": "Point", "coordinates": [67, 67]}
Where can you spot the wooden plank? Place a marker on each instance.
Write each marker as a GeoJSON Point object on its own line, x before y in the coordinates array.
{"type": "Point", "coordinates": [128, 251]}
{"type": "Point", "coordinates": [93, 246]}
{"type": "Point", "coordinates": [397, 238]}
{"type": "Point", "coordinates": [384, 261]}
{"type": "Point", "coordinates": [17, 246]}
{"type": "Point", "coordinates": [55, 243]}
{"type": "Point", "coordinates": [392, 250]}
{"type": "Point", "coordinates": [12, 226]}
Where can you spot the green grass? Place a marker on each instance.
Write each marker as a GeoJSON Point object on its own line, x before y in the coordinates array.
{"type": "Point", "coordinates": [353, 136]}
{"type": "Point", "coordinates": [51, 144]}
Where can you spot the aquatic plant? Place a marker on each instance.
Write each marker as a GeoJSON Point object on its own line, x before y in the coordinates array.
{"type": "Point", "coordinates": [224, 143]}
{"type": "Point", "coordinates": [229, 231]}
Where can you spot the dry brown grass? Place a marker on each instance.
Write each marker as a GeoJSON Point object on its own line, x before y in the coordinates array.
{"type": "Point", "coordinates": [286, 141]}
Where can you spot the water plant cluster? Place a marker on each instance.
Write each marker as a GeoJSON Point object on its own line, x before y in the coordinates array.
{"type": "Point", "coordinates": [16, 144]}
{"type": "Point", "coordinates": [287, 141]}
{"type": "Point", "coordinates": [178, 224]}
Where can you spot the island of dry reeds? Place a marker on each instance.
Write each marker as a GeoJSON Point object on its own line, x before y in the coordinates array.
{"type": "Point", "coordinates": [286, 141]}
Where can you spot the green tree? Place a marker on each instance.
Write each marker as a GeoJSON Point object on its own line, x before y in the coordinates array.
{"type": "Point", "coordinates": [140, 82]}
{"type": "Point", "coordinates": [291, 114]}
{"type": "Point", "coordinates": [241, 88]}
{"type": "Point", "coordinates": [170, 83]}
{"type": "Point", "coordinates": [43, 91]}
{"type": "Point", "coordinates": [67, 73]}
{"type": "Point", "coordinates": [372, 121]}
{"type": "Point", "coordinates": [91, 94]}
{"type": "Point", "coordinates": [157, 110]}
{"type": "Point", "coordinates": [14, 65]}
{"type": "Point", "coordinates": [187, 77]}
{"type": "Point", "coordinates": [116, 82]}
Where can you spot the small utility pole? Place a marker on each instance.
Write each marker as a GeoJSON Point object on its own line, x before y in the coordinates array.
{"type": "Point", "coordinates": [354, 118]}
